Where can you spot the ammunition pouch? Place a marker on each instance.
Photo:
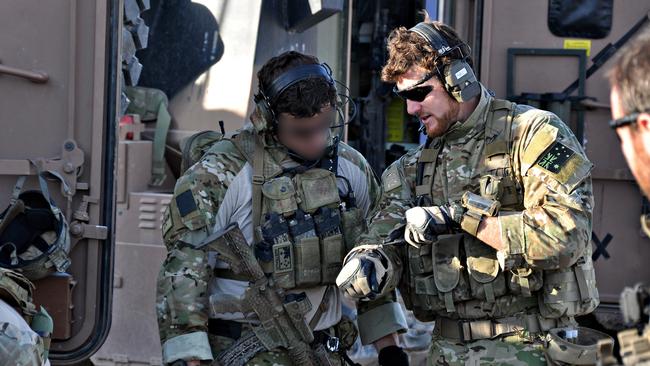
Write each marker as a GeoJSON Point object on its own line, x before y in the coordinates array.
{"type": "Point", "coordinates": [353, 224]}
{"type": "Point", "coordinates": [441, 278]}
{"type": "Point", "coordinates": [303, 231]}
{"type": "Point", "coordinates": [487, 281]}
{"type": "Point", "coordinates": [570, 291]}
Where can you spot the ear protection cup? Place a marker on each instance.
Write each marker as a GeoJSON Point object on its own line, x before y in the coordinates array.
{"type": "Point", "coordinates": [460, 81]}
{"type": "Point", "coordinates": [265, 110]}
{"type": "Point", "coordinates": [457, 77]}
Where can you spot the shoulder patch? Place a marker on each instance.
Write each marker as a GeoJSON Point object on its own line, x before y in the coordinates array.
{"type": "Point", "coordinates": [565, 165]}
{"type": "Point", "coordinates": [556, 157]}
{"type": "Point", "coordinates": [185, 203]}
{"type": "Point", "coordinates": [391, 179]}
{"type": "Point", "coordinates": [190, 206]}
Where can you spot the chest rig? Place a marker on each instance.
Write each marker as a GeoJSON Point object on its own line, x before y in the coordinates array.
{"type": "Point", "coordinates": [303, 224]}
{"type": "Point", "coordinates": [458, 275]}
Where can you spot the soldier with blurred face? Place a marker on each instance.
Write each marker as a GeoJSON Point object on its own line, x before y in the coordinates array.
{"type": "Point", "coordinates": [298, 199]}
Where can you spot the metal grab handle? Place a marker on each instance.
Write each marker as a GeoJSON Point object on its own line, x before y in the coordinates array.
{"type": "Point", "coordinates": [38, 77]}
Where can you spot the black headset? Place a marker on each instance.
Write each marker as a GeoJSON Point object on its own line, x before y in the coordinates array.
{"type": "Point", "coordinates": [267, 96]}
{"type": "Point", "coordinates": [458, 77]}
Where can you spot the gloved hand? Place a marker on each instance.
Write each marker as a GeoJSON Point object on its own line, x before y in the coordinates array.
{"type": "Point", "coordinates": [423, 224]}
{"type": "Point", "coordinates": [363, 275]}
{"type": "Point", "coordinates": [393, 356]}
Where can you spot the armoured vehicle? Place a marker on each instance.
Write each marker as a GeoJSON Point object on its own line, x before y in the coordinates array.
{"type": "Point", "coordinates": [67, 72]}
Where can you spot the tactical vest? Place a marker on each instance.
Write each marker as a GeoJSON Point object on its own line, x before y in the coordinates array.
{"type": "Point", "coordinates": [459, 276]}
{"type": "Point", "coordinates": [303, 225]}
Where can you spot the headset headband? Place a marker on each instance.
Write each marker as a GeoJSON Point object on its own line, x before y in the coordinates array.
{"type": "Point", "coordinates": [431, 35]}
{"type": "Point", "coordinates": [294, 75]}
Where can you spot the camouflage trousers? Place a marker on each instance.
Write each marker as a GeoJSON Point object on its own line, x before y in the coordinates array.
{"type": "Point", "coordinates": [507, 351]}
{"type": "Point", "coordinates": [277, 357]}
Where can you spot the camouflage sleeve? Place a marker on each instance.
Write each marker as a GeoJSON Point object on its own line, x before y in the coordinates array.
{"type": "Point", "coordinates": [397, 186]}
{"type": "Point", "coordinates": [374, 191]}
{"type": "Point", "coordinates": [182, 290]}
{"type": "Point", "coordinates": [555, 227]}
{"type": "Point", "coordinates": [384, 315]}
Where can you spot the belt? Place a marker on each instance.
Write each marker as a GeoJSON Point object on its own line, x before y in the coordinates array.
{"type": "Point", "coordinates": [473, 330]}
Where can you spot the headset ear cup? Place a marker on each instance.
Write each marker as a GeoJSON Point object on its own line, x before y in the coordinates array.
{"type": "Point", "coordinates": [265, 112]}
{"type": "Point", "coordinates": [460, 81]}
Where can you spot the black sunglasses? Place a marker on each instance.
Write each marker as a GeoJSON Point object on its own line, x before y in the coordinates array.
{"type": "Point", "coordinates": [624, 121]}
{"type": "Point", "coordinates": [416, 92]}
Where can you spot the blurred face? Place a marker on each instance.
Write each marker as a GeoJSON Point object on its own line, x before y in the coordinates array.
{"type": "Point", "coordinates": [306, 136]}
{"type": "Point", "coordinates": [635, 142]}
{"type": "Point", "coordinates": [437, 111]}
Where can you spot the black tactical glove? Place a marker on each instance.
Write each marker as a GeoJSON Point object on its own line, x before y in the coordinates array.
{"type": "Point", "coordinates": [393, 356]}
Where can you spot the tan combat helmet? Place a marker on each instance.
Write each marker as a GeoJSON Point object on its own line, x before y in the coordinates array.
{"type": "Point", "coordinates": [34, 236]}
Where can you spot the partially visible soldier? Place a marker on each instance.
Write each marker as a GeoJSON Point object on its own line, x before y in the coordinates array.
{"type": "Point", "coordinates": [630, 102]}
{"type": "Point", "coordinates": [20, 345]}
{"type": "Point", "coordinates": [497, 207]}
{"type": "Point", "coordinates": [300, 198]}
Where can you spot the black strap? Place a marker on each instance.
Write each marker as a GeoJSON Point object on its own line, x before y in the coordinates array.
{"type": "Point", "coordinates": [294, 75]}
{"type": "Point", "coordinates": [606, 53]}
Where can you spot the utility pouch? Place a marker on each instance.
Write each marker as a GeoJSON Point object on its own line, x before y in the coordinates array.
{"type": "Point", "coordinates": [307, 249]}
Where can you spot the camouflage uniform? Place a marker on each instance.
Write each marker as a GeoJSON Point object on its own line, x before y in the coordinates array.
{"type": "Point", "coordinates": [194, 286]}
{"type": "Point", "coordinates": [539, 173]}
{"type": "Point", "coordinates": [19, 343]}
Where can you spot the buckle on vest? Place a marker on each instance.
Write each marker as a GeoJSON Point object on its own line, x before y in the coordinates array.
{"type": "Point", "coordinates": [258, 179]}
{"type": "Point", "coordinates": [469, 327]}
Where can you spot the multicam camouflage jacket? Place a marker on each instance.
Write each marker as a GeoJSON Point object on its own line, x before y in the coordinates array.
{"type": "Point", "coordinates": [193, 285]}
{"type": "Point", "coordinates": [531, 162]}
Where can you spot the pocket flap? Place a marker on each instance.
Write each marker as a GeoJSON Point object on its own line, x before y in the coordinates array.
{"type": "Point", "coordinates": [318, 188]}
{"type": "Point", "coordinates": [482, 263]}
{"type": "Point", "coordinates": [446, 261]}
{"type": "Point", "coordinates": [279, 188]}
{"type": "Point", "coordinates": [279, 194]}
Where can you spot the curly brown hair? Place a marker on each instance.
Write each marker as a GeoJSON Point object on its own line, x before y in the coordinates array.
{"type": "Point", "coordinates": [304, 99]}
{"type": "Point", "coordinates": [407, 49]}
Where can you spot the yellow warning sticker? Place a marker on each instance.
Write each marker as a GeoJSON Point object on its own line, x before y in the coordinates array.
{"type": "Point", "coordinates": [395, 120]}
{"type": "Point", "coordinates": [578, 44]}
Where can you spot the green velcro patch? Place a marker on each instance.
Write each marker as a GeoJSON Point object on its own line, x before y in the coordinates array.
{"type": "Point", "coordinates": [185, 203]}
{"type": "Point", "coordinates": [556, 157]}
{"type": "Point", "coordinates": [391, 179]}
